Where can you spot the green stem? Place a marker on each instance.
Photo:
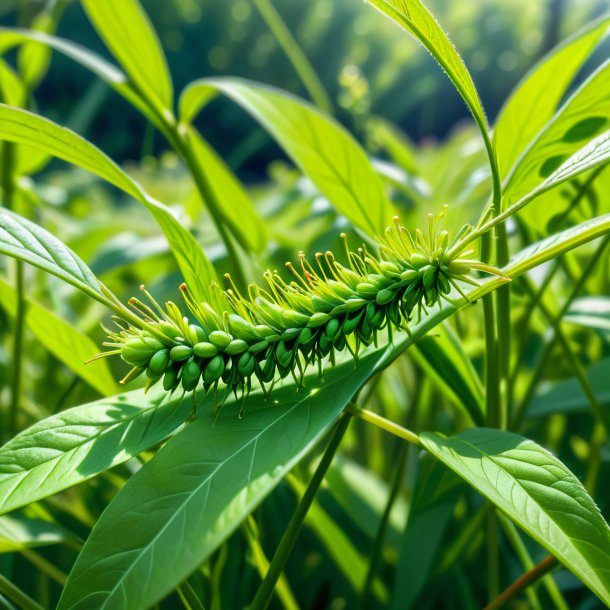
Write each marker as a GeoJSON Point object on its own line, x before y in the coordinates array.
{"type": "Point", "coordinates": [375, 556]}
{"type": "Point", "coordinates": [265, 592]}
{"type": "Point", "coordinates": [528, 579]}
{"type": "Point", "coordinates": [383, 423]}
{"type": "Point", "coordinates": [16, 595]}
{"type": "Point", "coordinates": [493, 554]}
{"type": "Point", "coordinates": [295, 55]}
{"type": "Point", "coordinates": [8, 190]}
{"type": "Point", "coordinates": [188, 597]}
{"type": "Point", "coordinates": [531, 389]}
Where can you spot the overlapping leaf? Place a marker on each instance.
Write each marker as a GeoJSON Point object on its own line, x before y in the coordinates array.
{"type": "Point", "coordinates": [537, 492]}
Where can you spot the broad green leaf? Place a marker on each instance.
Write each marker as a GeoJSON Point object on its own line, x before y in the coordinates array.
{"type": "Point", "coordinates": [363, 495]}
{"type": "Point", "coordinates": [323, 150]}
{"type": "Point", "coordinates": [558, 244]}
{"type": "Point", "coordinates": [590, 312]}
{"type": "Point", "coordinates": [64, 341]}
{"type": "Point", "coordinates": [537, 96]}
{"type": "Point", "coordinates": [568, 396]}
{"type": "Point", "coordinates": [350, 562]}
{"type": "Point", "coordinates": [206, 479]}
{"type": "Point", "coordinates": [537, 492]}
{"type": "Point", "coordinates": [432, 507]}
{"type": "Point", "coordinates": [19, 533]}
{"type": "Point", "coordinates": [12, 89]}
{"type": "Point", "coordinates": [79, 443]}
{"type": "Point", "coordinates": [23, 127]}
{"type": "Point", "coordinates": [443, 357]}
{"type": "Point", "coordinates": [129, 35]}
{"type": "Point", "coordinates": [415, 18]}
{"type": "Point", "coordinates": [585, 115]}
{"type": "Point", "coordinates": [238, 209]}
{"type": "Point", "coordinates": [30, 243]}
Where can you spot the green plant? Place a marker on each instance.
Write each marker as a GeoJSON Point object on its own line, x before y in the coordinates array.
{"type": "Point", "coordinates": [170, 527]}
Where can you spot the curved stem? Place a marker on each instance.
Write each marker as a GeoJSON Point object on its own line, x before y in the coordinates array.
{"type": "Point", "coordinates": [528, 579]}
{"type": "Point", "coordinates": [383, 423]}
{"type": "Point", "coordinates": [265, 592]}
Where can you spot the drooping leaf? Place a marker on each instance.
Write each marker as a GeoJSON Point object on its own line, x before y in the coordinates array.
{"type": "Point", "coordinates": [568, 396]}
{"type": "Point", "coordinates": [24, 127]}
{"type": "Point", "coordinates": [26, 241]}
{"type": "Point", "coordinates": [590, 312]}
{"type": "Point", "coordinates": [64, 341]}
{"type": "Point", "coordinates": [127, 32]}
{"type": "Point", "coordinates": [583, 117]}
{"type": "Point", "coordinates": [414, 17]}
{"type": "Point", "coordinates": [19, 532]}
{"type": "Point", "coordinates": [33, 59]}
{"type": "Point", "coordinates": [535, 490]}
{"type": "Point", "coordinates": [79, 443]}
{"type": "Point", "coordinates": [536, 97]}
{"type": "Point", "coordinates": [324, 151]}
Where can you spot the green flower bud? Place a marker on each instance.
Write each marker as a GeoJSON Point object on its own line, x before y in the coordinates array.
{"type": "Point", "coordinates": [179, 353]}
{"type": "Point", "coordinates": [213, 370]}
{"type": "Point", "coordinates": [158, 363]}
{"type": "Point", "coordinates": [190, 375]}
{"type": "Point", "coordinates": [237, 346]}
{"type": "Point", "coordinates": [220, 338]}
{"type": "Point", "coordinates": [205, 350]}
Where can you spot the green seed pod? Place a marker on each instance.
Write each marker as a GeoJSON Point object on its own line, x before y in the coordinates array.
{"type": "Point", "coordinates": [443, 283]}
{"type": "Point", "coordinates": [169, 330]}
{"type": "Point", "coordinates": [419, 260]}
{"type": "Point", "coordinates": [354, 304]}
{"type": "Point", "coordinates": [213, 370]}
{"type": "Point", "coordinates": [170, 379]}
{"type": "Point", "coordinates": [246, 364]}
{"type": "Point", "coordinates": [283, 354]}
{"type": "Point", "coordinates": [258, 347]}
{"type": "Point", "coordinates": [220, 338]}
{"type": "Point", "coordinates": [409, 275]}
{"type": "Point", "coordinates": [197, 334]}
{"type": "Point", "coordinates": [267, 372]}
{"type": "Point", "coordinates": [318, 319]}
{"type": "Point", "coordinates": [242, 329]}
{"type": "Point", "coordinates": [205, 350]}
{"type": "Point", "coordinates": [237, 346]}
{"type": "Point", "coordinates": [332, 329]}
{"type": "Point", "coordinates": [384, 296]}
{"type": "Point", "coordinates": [294, 318]}
{"type": "Point", "coordinates": [324, 345]}
{"type": "Point", "coordinates": [190, 375]}
{"type": "Point", "coordinates": [341, 290]}
{"type": "Point", "coordinates": [351, 323]}
{"type": "Point", "coordinates": [322, 305]}
{"type": "Point", "coordinates": [264, 331]}
{"type": "Point", "coordinates": [306, 337]}
{"type": "Point", "coordinates": [139, 350]}
{"type": "Point", "coordinates": [158, 363]}
{"type": "Point", "coordinates": [389, 268]}
{"type": "Point", "coordinates": [366, 290]}
{"type": "Point", "coordinates": [365, 329]}
{"type": "Point", "coordinates": [179, 353]}
{"type": "Point", "coordinates": [430, 277]}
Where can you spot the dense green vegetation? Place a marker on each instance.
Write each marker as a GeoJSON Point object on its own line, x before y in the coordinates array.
{"type": "Point", "coordinates": [413, 414]}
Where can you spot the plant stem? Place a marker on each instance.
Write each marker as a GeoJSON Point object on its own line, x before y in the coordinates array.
{"type": "Point", "coordinates": [529, 393]}
{"type": "Point", "coordinates": [383, 423]}
{"type": "Point", "coordinates": [529, 578]}
{"type": "Point", "coordinates": [8, 190]}
{"type": "Point", "coordinates": [295, 55]}
{"type": "Point", "coordinates": [265, 592]}
{"type": "Point", "coordinates": [493, 552]}
{"type": "Point", "coordinates": [375, 556]}
{"type": "Point", "coordinates": [188, 597]}
{"type": "Point", "coordinates": [17, 595]}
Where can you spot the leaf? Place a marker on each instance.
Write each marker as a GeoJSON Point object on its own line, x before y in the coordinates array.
{"type": "Point", "coordinates": [65, 342]}
{"type": "Point", "coordinates": [129, 35]}
{"type": "Point", "coordinates": [206, 479]}
{"type": "Point", "coordinates": [585, 115]}
{"type": "Point", "coordinates": [79, 443]}
{"type": "Point", "coordinates": [33, 59]}
{"type": "Point", "coordinates": [590, 312]}
{"type": "Point", "coordinates": [415, 18]}
{"type": "Point", "coordinates": [24, 127]}
{"type": "Point", "coordinates": [535, 99]}
{"type": "Point", "coordinates": [350, 562]}
{"type": "Point", "coordinates": [537, 492]}
{"type": "Point", "coordinates": [12, 89]}
{"type": "Point", "coordinates": [443, 357]}
{"type": "Point", "coordinates": [568, 396]}
{"type": "Point", "coordinates": [558, 244]}
{"type": "Point", "coordinates": [238, 210]}
{"type": "Point", "coordinates": [28, 242]}
{"type": "Point", "coordinates": [322, 149]}
{"type": "Point", "coordinates": [19, 533]}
